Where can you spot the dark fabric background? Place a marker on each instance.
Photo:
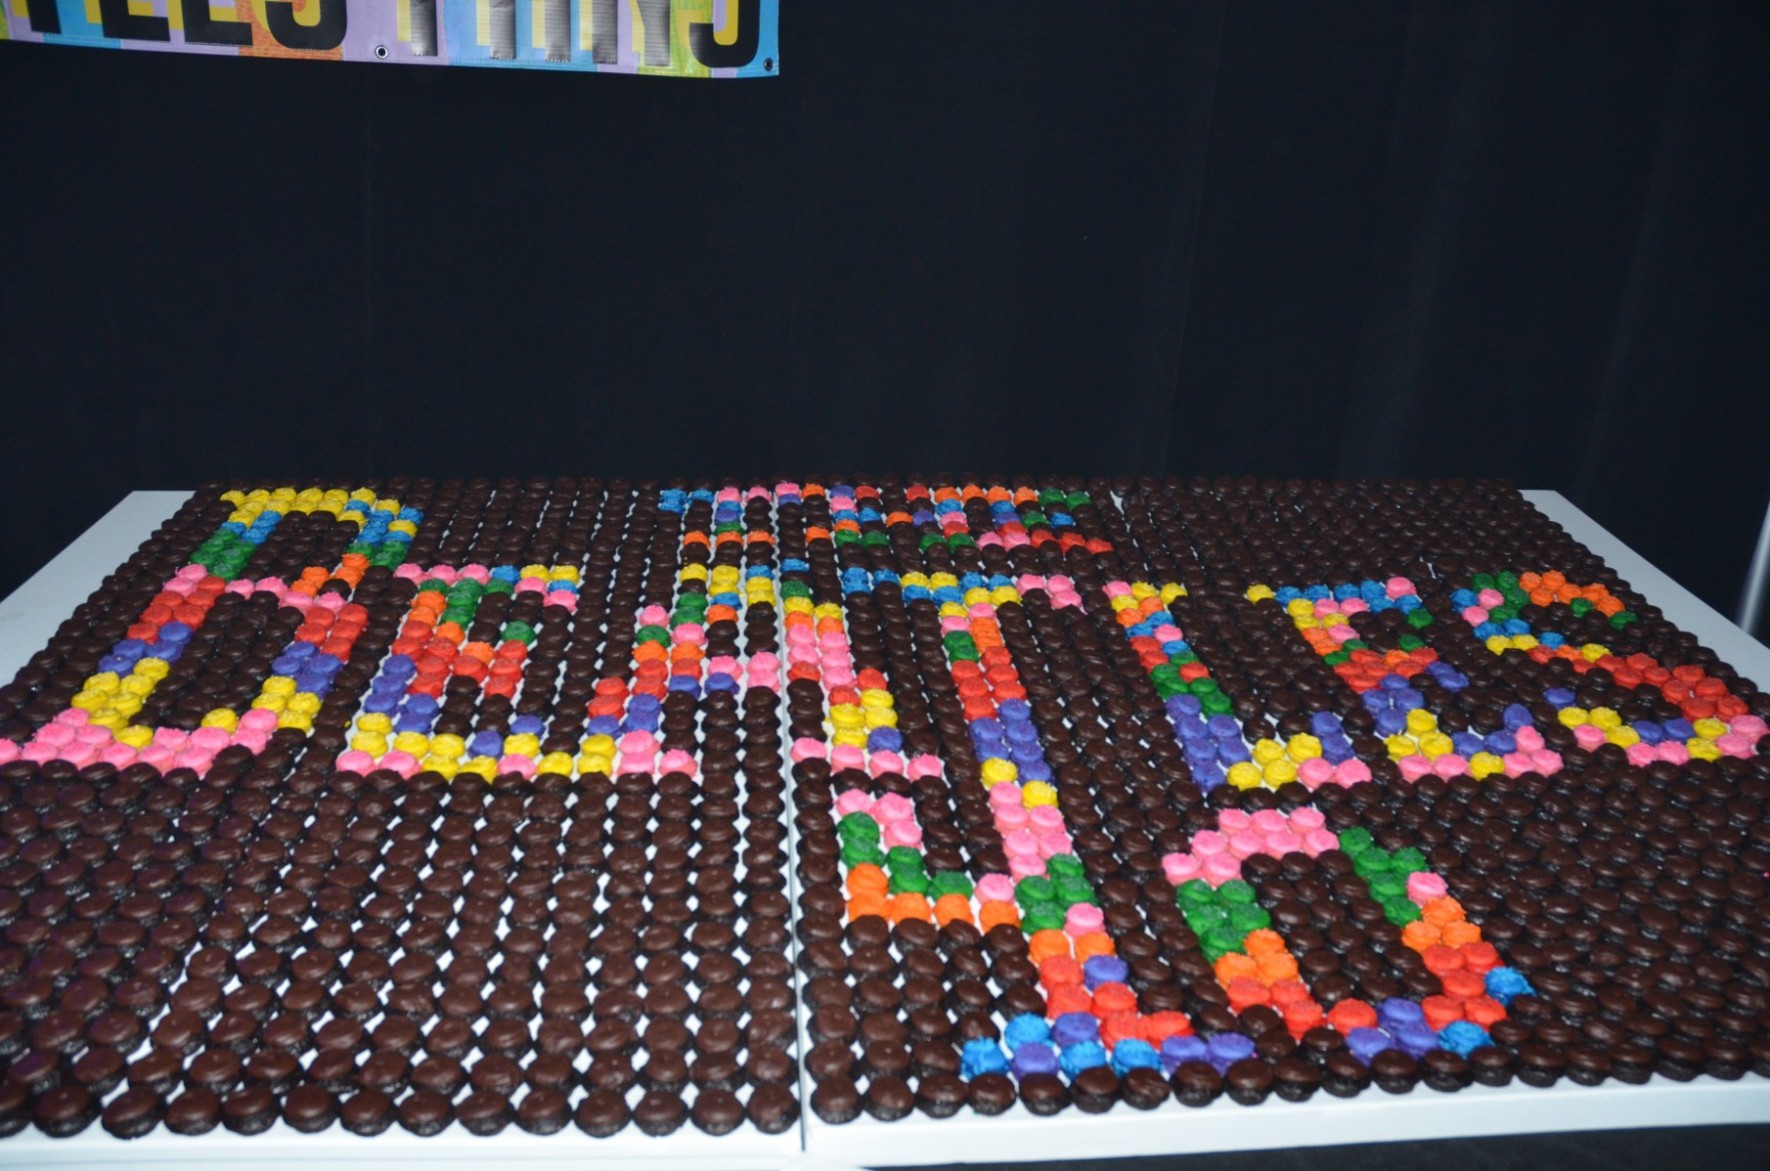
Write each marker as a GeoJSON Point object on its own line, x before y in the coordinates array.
{"type": "Point", "coordinates": [1720, 1148]}
{"type": "Point", "coordinates": [1326, 239]}
{"type": "Point", "coordinates": [1345, 238]}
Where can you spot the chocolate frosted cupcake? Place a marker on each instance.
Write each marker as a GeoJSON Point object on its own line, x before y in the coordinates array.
{"type": "Point", "coordinates": [1631, 1064]}
{"type": "Point", "coordinates": [660, 1112]}
{"type": "Point", "coordinates": [1044, 1093]}
{"type": "Point", "coordinates": [1196, 1083]}
{"type": "Point", "coordinates": [249, 1110]}
{"type": "Point", "coordinates": [1445, 1072]}
{"type": "Point", "coordinates": [888, 1097]}
{"type": "Point", "coordinates": [1541, 1065]}
{"type": "Point", "coordinates": [544, 1111]}
{"type": "Point", "coordinates": [1295, 1079]}
{"type": "Point", "coordinates": [1095, 1089]}
{"type": "Point", "coordinates": [1343, 1075]}
{"type": "Point", "coordinates": [310, 1109]}
{"type": "Point", "coordinates": [1676, 1057]}
{"type": "Point", "coordinates": [425, 1113]}
{"type": "Point", "coordinates": [836, 1100]}
{"type": "Point", "coordinates": [64, 1111]}
{"type": "Point", "coordinates": [133, 1113]}
{"type": "Point", "coordinates": [940, 1095]}
{"type": "Point", "coordinates": [1144, 1089]}
{"type": "Point", "coordinates": [196, 1111]}
{"type": "Point", "coordinates": [368, 1112]}
{"type": "Point", "coordinates": [717, 1112]}
{"type": "Point", "coordinates": [773, 1109]}
{"type": "Point", "coordinates": [602, 1113]}
{"type": "Point", "coordinates": [1394, 1072]}
{"type": "Point", "coordinates": [1491, 1066]}
{"type": "Point", "coordinates": [1588, 1065]}
{"type": "Point", "coordinates": [1248, 1081]}
{"type": "Point", "coordinates": [992, 1093]}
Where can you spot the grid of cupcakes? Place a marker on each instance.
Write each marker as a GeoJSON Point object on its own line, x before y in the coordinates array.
{"type": "Point", "coordinates": [50, 878]}
{"type": "Point", "coordinates": [982, 970]}
{"type": "Point", "coordinates": [1639, 937]}
{"type": "Point", "coordinates": [1653, 970]}
{"type": "Point", "coordinates": [688, 972]}
{"type": "Point", "coordinates": [328, 946]}
{"type": "Point", "coordinates": [1248, 994]}
{"type": "Point", "coordinates": [114, 873]}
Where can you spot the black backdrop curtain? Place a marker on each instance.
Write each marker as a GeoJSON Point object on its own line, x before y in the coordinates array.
{"type": "Point", "coordinates": [1347, 238]}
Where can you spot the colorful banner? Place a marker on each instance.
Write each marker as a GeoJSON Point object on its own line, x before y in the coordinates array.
{"type": "Point", "coordinates": [674, 38]}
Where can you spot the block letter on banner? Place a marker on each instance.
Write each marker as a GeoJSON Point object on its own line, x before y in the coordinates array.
{"type": "Point", "coordinates": [325, 33]}
{"type": "Point", "coordinates": [605, 37]}
{"type": "Point", "coordinates": [500, 18]}
{"type": "Point", "coordinates": [45, 17]}
{"type": "Point", "coordinates": [654, 17]}
{"type": "Point", "coordinates": [557, 29]}
{"type": "Point", "coordinates": [710, 51]}
{"type": "Point", "coordinates": [119, 22]}
{"type": "Point", "coordinates": [201, 27]}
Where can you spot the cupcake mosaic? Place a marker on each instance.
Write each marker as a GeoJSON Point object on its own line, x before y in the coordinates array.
{"type": "Point", "coordinates": [425, 806]}
{"type": "Point", "coordinates": [573, 806]}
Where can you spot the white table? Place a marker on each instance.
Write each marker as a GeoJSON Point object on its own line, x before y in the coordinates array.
{"type": "Point", "coordinates": [30, 616]}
